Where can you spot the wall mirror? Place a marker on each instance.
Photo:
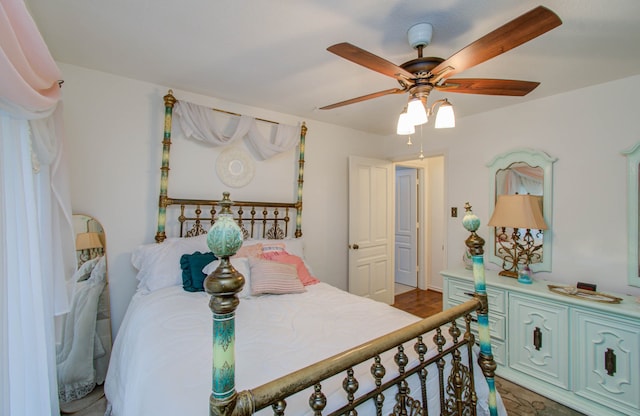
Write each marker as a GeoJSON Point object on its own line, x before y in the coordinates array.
{"type": "Point", "coordinates": [633, 258]}
{"type": "Point", "coordinates": [84, 346]}
{"type": "Point", "coordinates": [522, 171]}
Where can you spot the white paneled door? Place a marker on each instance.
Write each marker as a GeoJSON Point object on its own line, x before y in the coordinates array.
{"type": "Point", "coordinates": [406, 232]}
{"type": "Point", "coordinates": [371, 216]}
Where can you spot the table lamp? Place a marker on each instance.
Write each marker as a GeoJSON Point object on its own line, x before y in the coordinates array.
{"type": "Point", "coordinates": [518, 211]}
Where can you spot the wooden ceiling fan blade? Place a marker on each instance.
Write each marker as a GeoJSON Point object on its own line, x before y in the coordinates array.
{"type": "Point", "coordinates": [363, 98]}
{"type": "Point", "coordinates": [515, 33]}
{"type": "Point", "coordinates": [488, 86]}
{"type": "Point", "coordinates": [368, 60]}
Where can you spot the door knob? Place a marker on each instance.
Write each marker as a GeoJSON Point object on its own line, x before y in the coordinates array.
{"type": "Point", "coordinates": [355, 246]}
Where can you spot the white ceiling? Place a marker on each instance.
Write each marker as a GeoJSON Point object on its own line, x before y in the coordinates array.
{"type": "Point", "coordinates": [272, 54]}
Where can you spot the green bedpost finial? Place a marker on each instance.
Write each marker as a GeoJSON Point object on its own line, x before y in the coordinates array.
{"type": "Point", "coordinates": [224, 239]}
{"type": "Point", "coordinates": [471, 223]}
{"type": "Point", "coordinates": [475, 243]}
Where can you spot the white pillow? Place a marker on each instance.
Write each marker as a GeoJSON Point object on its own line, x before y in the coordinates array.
{"type": "Point", "coordinates": [241, 264]}
{"type": "Point", "coordinates": [158, 264]}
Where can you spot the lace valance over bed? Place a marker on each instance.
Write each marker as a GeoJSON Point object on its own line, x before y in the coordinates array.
{"type": "Point", "coordinates": [198, 122]}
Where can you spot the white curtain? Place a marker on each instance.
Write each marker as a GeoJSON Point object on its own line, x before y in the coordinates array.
{"type": "Point", "coordinates": [198, 122]}
{"type": "Point", "coordinates": [36, 243]}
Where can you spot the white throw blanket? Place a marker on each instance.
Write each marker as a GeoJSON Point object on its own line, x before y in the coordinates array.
{"type": "Point", "coordinates": [161, 362]}
{"type": "Point", "coordinates": [80, 345]}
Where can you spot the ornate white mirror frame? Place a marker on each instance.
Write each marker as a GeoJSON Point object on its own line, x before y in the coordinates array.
{"type": "Point", "coordinates": [633, 161]}
{"type": "Point", "coordinates": [533, 158]}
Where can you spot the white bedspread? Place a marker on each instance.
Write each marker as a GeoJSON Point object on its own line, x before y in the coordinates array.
{"type": "Point", "coordinates": [161, 361]}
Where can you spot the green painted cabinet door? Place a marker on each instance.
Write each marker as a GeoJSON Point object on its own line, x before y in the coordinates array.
{"type": "Point", "coordinates": [609, 368]}
{"type": "Point", "coordinates": [538, 339]}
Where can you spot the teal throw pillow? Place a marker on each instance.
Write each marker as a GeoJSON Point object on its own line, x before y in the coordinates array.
{"type": "Point", "coordinates": [192, 265]}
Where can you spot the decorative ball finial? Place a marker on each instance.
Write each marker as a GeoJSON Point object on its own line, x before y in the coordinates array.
{"type": "Point", "coordinates": [225, 237]}
{"type": "Point", "coordinates": [470, 221]}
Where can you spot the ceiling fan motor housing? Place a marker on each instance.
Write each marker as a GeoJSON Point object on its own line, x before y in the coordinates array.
{"type": "Point", "coordinates": [420, 35]}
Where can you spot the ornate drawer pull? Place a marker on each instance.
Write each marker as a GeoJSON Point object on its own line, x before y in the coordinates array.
{"type": "Point", "coordinates": [537, 338]}
{"type": "Point", "coordinates": [610, 361]}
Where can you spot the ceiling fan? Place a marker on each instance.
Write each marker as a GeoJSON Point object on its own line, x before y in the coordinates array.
{"type": "Point", "coordinates": [420, 76]}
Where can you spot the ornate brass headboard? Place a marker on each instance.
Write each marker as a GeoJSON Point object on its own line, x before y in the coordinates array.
{"type": "Point", "coordinates": [256, 219]}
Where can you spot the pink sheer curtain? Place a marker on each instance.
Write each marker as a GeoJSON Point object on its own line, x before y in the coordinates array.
{"type": "Point", "coordinates": [29, 84]}
{"type": "Point", "coordinates": [36, 248]}
{"type": "Point", "coordinates": [522, 179]}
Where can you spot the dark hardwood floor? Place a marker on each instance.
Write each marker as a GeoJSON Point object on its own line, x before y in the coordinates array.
{"type": "Point", "coordinates": [422, 303]}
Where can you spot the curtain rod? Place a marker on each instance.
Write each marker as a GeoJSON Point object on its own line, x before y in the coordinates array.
{"type": "Point", "coordinates": [234, 114]}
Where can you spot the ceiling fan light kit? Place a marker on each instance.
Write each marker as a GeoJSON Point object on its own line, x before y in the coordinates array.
{"type": "Point", "coordinates": [417, 112]}
{"type": "Point", "coordinates": [405, 126]}
{"type": "Point", "coordinates": [418, 77]}
{"type": "Point", "coordinates": [445, 119]}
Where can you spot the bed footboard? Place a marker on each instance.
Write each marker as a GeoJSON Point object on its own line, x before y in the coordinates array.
{"type": "Point", "coordinates": [401, 386]}
{"type": "Point", "coordinates": [458, 382]}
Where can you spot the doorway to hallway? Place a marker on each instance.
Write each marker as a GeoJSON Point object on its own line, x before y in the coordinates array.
{"type": "Point", "coordinates": [420, 224]}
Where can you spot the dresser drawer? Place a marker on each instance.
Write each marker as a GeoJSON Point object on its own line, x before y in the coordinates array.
{"type": "Point", "coordinates": [462, 290]}
{"type": "Point", "coordinates": [497, 324]}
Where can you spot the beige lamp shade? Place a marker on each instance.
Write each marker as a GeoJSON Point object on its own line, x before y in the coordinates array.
{"type": "Point", "coordinates": [518, 211]}
{"type": "Point", "coordinates": [87, 241]}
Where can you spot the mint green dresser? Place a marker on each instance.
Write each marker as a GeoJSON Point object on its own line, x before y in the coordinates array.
{"type": "Point", "coordinates": [581, 353]}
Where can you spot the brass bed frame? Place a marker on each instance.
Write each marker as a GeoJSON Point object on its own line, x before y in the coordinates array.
{"type": "Point", "coordinates": [272, 220]}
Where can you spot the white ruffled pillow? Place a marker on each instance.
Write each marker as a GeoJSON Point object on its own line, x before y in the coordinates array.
{"type": "Point", "coordinates": [241, 264]}
{"type": "Point", "coordinates": [158, 264]}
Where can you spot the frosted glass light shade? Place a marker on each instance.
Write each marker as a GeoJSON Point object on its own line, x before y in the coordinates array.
{"type": "Point", "coordinates": [445, 119]}
{"type": "Point", "coordinates": [417, 112]}
{"type": "Point", "coordinates": [405, 126]}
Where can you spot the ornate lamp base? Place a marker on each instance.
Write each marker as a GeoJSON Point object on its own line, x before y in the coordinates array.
{"type": "Point", "coordinates": [508, 273]}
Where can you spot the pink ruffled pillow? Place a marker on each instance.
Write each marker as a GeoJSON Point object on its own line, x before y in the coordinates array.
{"type": "Point", "coordinates": [284, 257]}
{"type": "Point", "coordinates": [253, 250]}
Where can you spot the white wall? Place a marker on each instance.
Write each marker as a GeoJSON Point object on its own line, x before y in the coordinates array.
{"type": "Point", "coordinates": [585, 130]}
{"type": "Point", "coordinates": [114, 129]}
